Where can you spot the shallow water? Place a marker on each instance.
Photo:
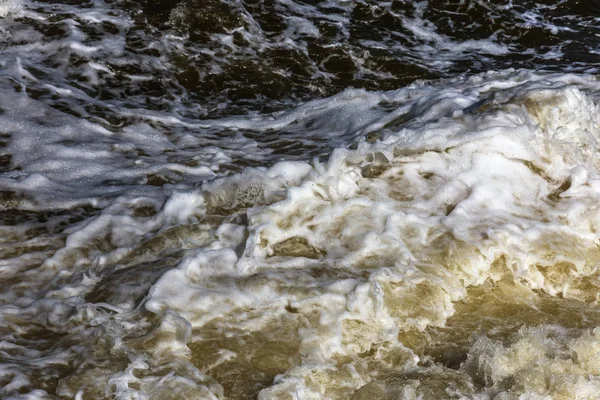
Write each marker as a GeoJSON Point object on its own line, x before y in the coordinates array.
{"type": "Point", "coordinates": [303, 200]}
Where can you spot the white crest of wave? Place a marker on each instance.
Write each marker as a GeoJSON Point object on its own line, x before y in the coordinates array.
{"type": "Point", "coordinates": [493, 177]}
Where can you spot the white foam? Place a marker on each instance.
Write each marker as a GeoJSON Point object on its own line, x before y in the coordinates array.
{"type": "Point", "coordinates": [427, 189]}
{"type": "Point", "coordinates": [542, 362]}
{"type": "Point", "coordinates": [424, 212]}
{"type": "Point", "coordinates": [8, 7]}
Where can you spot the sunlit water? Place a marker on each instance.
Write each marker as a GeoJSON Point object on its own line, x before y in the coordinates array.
{"type": "Point", "coordinates": [299, 200]}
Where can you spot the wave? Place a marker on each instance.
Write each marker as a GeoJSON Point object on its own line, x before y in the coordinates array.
{"type": "Point", "coordinates": [447, 246]}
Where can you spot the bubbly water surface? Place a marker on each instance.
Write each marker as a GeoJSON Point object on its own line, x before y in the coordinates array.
{"type": "Point", "coordinates": [299, 199]}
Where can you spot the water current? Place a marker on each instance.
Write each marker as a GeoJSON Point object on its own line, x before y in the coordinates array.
{"type": "Point", "coordinates": [281, 199]}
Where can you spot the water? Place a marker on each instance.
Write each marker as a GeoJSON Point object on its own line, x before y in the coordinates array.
{"type": "Point", "coordinates": [299, 200]}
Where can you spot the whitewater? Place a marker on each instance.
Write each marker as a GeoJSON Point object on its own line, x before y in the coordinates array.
{"type": "Point", "coordinates": [173, 225]}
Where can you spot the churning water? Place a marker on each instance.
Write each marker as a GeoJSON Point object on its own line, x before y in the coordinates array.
{"type": "Point", "coordinates": [279, 199]}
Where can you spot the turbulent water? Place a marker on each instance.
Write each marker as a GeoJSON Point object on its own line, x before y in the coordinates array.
{"type": "Point", "coordinates": [281, 199]}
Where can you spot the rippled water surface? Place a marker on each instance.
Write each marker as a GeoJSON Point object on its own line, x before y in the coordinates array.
{"type": "Point", "coordinates": [299, 199]}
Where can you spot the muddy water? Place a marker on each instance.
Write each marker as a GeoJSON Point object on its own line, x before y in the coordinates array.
{"type": "Point", "coordinates": [299, 200]}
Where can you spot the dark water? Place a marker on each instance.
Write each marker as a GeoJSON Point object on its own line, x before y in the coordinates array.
{"type": "Point", "coordinates": [214, 58]}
